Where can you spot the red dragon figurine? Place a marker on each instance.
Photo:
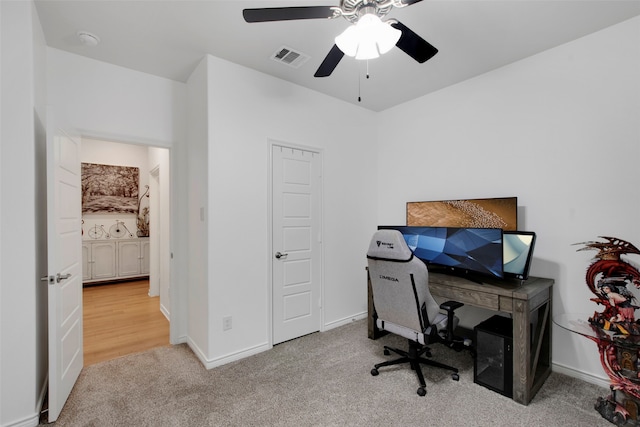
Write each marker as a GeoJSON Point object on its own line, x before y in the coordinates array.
{"type": "Point", "coordinates": [611, 278]}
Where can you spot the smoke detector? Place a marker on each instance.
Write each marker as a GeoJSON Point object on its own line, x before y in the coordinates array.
{"type": "Point", "coordinates": [87, 38]}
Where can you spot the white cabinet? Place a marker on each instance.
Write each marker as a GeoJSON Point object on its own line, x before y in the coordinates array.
{"type": "Point", "coordinates": [144, 253]}
{"type": "Point", "coordinates": [105, 260]}
{"type": "Point", "coordinates": [128, 258]}
{"type": "Point", "coordinates": [86, 261]}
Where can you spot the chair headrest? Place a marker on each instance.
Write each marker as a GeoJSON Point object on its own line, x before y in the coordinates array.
{"type": "Point", "coordinates": [389, 244]}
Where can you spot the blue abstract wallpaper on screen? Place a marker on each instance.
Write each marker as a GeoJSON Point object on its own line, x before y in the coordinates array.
{"type": "Point", "coordinates": [477, 250]}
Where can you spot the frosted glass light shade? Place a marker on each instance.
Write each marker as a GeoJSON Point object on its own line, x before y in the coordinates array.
{"type": "Point", "coordinates": [387, 38]}
{"type": "Point", "coordinates": [348, 41]}
{"type": "Point", "coordinates": [368, 38]}
{"type": "Point", "coordinates": [367, 49]}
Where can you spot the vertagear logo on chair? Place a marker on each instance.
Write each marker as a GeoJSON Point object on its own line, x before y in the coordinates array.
{"type": "Point", "coordinates": [388, 245]}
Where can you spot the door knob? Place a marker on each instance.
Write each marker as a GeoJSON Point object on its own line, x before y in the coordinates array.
{"type": "Point", "coordinates": [61, 277]}
{"type": "Point", "coordinates": [280, 255]}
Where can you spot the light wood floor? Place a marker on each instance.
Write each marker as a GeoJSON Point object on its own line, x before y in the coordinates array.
{"type": "Point", "coordinates": [120, 319]}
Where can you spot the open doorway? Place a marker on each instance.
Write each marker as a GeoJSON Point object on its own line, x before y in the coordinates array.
{"type": "Point", "coordinates": [126, 254]}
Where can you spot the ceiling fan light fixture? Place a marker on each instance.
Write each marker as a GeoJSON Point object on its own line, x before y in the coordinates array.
{"type": "Point", "coordinates": [348, 41]}
{"type": "Point", "coordinates": [367, 49]}
{"type": "Point", "coordinates": [387, 38]}
{"type": "Point", "coordinates": [368, 38]}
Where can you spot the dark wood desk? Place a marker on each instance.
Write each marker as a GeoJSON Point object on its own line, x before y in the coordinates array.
{"type": "Point", "coordinates": [529, 304]}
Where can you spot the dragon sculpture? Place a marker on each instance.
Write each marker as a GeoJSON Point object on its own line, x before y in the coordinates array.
{"type": "Point", "coordinates": [611, 279]}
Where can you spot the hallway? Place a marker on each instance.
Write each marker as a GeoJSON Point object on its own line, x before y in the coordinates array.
{"type": "Point", "coordinates": [120, 319]}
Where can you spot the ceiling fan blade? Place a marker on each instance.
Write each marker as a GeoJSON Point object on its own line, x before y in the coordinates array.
{"type": "Point", "coordinates": [414, 45]}
{"type": "Point", "coordinates": [330, 62]}
{"type": "Point", "coordinates": [410, 2]}
{"type": "Point", "coordinates": [287, 13]}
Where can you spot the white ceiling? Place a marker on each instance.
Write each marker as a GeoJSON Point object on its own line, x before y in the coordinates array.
{"type": "Point", "coordinates": [169, 38]}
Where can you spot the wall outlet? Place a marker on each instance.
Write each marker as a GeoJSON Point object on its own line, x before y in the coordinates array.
{"type": "Point", "coordinates": [226, 323]}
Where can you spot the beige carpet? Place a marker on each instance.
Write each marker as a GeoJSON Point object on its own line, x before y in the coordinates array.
{"type": "Point", "coordinates": [321, 379]}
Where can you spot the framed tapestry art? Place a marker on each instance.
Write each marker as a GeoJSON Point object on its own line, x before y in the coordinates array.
{"type": "Point", "coordinates": [109, 189]}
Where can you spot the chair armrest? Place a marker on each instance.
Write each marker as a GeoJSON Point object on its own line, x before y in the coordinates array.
{"type": "Point", "coordinates": [450, 306]}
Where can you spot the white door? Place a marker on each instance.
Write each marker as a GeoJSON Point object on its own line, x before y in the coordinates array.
{"type": "Point", "coordinates": [296, 242]}
{"type": "Point", "coordinates": [64, 269]}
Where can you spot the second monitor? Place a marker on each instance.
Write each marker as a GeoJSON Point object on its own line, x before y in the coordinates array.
{"type": "Point", "coordinates": [467, 251]}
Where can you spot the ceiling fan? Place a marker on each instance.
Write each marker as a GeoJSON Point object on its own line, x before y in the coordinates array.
{"type": "Point", "coordinates": [363, 15]}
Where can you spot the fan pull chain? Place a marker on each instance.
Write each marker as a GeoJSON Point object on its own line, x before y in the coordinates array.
{"type": "Point", "coordinates": [367, 74]}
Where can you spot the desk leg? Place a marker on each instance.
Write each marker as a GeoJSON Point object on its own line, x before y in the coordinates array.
{"type": "Point", "coordinates": [531, 358]}
{"type": "Point", "coordinates": [521, 352]}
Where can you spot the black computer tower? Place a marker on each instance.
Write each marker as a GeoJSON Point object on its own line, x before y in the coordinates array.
{"type": "Point", "coordinates": [493, 366]}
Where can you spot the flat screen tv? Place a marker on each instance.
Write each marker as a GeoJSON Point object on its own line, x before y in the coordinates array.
{"type": "Point", "coordinates": [467, 251]}
{"type": "Point", "coordinates": [518, 252]}
{"type": "Point", "coordinates": [499, 212]}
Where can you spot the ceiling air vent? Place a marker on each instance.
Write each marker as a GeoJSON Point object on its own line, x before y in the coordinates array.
{"type": "Point", "coordinates": [287, 56]}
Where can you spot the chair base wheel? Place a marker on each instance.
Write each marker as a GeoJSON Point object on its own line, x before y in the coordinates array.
{"type": "Point", "coordinates": [374, 372]}
{"type": "Point", "coordinates": [386, 352]}
{"type": "Point", "coordinates": [455, 377]}
{"type": "Point", "coordinates": [422, 391]}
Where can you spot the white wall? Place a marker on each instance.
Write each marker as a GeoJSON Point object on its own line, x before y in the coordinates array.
{"type": "Point", "coordinates": [115, 103]}
{"type": "Point", "coordinates": [22, 362]}
{"type": "Point", "coordinates": [198, 183]}
{"type": "Point", "coordinates": [560, 131]}
{"type": "Point", "coordinates": [2, 118]}
{"type": "Point", "coordinates": [246, 109]}
{"type": "Point", "coordinates": [160, 225]}
{"type": "Point", "coordinates": [42, 292]}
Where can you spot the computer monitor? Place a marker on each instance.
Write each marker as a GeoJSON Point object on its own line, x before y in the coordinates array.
{"type": "Point", "coordinates": [464, 251]}
{"type": "Point", "coordinates": [518, 252]}
{"type": "Point", "coordinates": [498, 212]}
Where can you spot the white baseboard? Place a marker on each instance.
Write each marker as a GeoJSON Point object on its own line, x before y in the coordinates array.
{"type": "Point", "coordinates": [223, 360]}
{"type": "Point", "coordinates": [30, 421]}
{"type": "Point", "coordinates": [197, 351]}
{"type": "Point", "coordinates": [344, 321]}
{"type": "Point", "coordinates": [181, 340]}
{"type": "Point", "coordinates": [232, 357]}
{"type": "Point", "coordinates": [43, 395]}
{"type": "Point", "coordinates": [574, 373]}
{"type": "Point", "coordinates": [164, 311]}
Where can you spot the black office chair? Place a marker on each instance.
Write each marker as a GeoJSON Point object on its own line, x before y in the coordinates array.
{"type": "Point", "coordinates": [404, 306]}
